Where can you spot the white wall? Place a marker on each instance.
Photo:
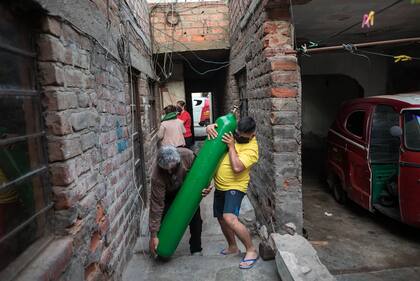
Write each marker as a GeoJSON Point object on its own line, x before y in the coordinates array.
{"type": "Point", "coordinates": [328, 79]}
{"type": "Point", "coordinates": [371, 75]}
{"type": "Point", "coordinates": [322, 97]}
{"type": "Point", "coordinates": [176, 92]}
{"type": "Point", "coordinates": [175, 86]}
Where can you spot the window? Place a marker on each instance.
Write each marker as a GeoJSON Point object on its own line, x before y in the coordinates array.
{"type": "Point", "coordinates": [24, 192]}
{"type": "Point", "coordinates": [412, 129]}
{"type": "Point", "coordinates": [154, 103]}
{"type": "Point", "coordinates": [355, 123]}
{"type": "Point", "coordinates": [383, 146]}
{"type": "Point", "coordinates": [137, 128]}
{"type": "Point", "coordinates": [243, 99]}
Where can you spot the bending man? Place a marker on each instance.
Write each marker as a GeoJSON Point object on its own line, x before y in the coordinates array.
{"type": "Point", "coordinates": [169, 172]}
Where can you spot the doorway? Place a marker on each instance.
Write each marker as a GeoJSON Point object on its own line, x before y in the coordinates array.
{"type": "Point", "coordinates": [202, 112]}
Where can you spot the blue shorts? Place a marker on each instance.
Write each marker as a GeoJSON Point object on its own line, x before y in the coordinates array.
{"type": "Point", "coordinates": [227, 202]}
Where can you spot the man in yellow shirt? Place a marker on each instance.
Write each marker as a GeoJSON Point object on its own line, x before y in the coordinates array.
{"type": "Point", "coordinates": [231, 181]}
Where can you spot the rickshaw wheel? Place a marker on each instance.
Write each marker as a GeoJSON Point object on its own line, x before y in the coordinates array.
{"type": "Point", "coordinates": [339, 194]}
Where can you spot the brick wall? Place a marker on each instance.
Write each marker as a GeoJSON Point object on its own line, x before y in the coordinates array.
{"type": "Point", "coordinates": [201, 26]}
{"type": "Point", "coordinates": [259, 36]}
{"type": "Point", "coordinates": [85, 84]}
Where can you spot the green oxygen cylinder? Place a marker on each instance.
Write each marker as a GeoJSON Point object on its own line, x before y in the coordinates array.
{"type": "Point", "coordinates": [189, 196]}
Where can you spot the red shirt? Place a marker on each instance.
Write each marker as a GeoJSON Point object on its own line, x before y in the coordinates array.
{"type": "Point", "coordinates": [185, 117]}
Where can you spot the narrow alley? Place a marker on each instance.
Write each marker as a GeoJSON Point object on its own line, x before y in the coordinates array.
{"type": "Point", "coordinates": [108, 140]}
{"type": "Point", "coordinates": [210, 266]}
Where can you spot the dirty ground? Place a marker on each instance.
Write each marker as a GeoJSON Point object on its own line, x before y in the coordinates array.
{"type": "Point", "coordinates": [356, 245]}
{"type": "Point", "coordinates": [210, 266]}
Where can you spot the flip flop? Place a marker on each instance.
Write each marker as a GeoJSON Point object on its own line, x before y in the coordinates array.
{"type": "Point", "coordinates": [224, 253]}
{"type": "Point", "coordinates": [253, 261]}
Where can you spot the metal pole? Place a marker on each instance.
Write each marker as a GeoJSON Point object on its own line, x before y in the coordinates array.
{"type": "Point", "coordinates": [359, 45]}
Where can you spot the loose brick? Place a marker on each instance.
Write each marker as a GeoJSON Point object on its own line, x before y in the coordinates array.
{"type": "Point", "coordinates": [55, 101]}
{"type": "Point", "coordinates": [50, 74]}
{"type": "Point", "coordinates": [52, 26]}
{"type": "Point", "coordinates": [269, 27]}
{"type": "Point", "coordinates": [65, 218]}
{"type": "Point", "coordinates": [83, 120]}
{"type": "Point", "coordinates": [58, 123]}
{"type": "Point", "coordinates": [63, 149]}
{"type": "Point", "coordinates": [63, 174]}
{"type": "Point", "coordinates": [64, 197]}
{"type": "Point", "coordinates": [88, 140]}
{"type": "Point", "coordinates": [50, 49]}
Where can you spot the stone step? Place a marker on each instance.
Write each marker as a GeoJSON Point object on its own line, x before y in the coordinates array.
{"type": "Point", "coordinates": [201, 268]}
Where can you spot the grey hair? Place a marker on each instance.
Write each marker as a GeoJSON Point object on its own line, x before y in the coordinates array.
{"type": "Point", "coordinates": [168, 156]}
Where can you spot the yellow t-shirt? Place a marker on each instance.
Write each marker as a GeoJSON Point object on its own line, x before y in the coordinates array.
{"type": "Point", "coordinates": [226, 178]}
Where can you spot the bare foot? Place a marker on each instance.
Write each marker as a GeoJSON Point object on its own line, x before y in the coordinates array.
{"type": "Point", "coordinates": [230, 251]}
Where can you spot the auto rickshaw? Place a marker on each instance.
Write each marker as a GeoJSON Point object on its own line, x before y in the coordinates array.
{"type": "Point", "coordinates": [374, 155]}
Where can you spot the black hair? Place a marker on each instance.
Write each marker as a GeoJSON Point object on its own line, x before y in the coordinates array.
{"type": "Point", "coordinates": [246, 125]}
{"type": "Point", "coordinates": [181, 103]}
{"type": "Point", "coordinates": [170, 108]}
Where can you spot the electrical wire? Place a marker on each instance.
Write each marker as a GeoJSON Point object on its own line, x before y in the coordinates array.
{"type": "Point", "coordinates": [189, 49]}
{"type": "Point", "coordinates": [384, 55]}
{"type": "Point", "coordinates": [199, 72]}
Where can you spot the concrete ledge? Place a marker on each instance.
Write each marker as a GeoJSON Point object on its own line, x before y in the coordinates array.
{"type": "Point", "coordinates": [297, 260]}
{"type": "Point", "coordinates": [51, 263]}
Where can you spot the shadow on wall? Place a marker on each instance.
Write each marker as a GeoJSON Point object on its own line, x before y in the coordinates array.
{"type": "Point", "coordinates": [322, 96]}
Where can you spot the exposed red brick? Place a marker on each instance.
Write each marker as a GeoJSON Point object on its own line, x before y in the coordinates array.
{"type": "Point", "coordinates": [284, 63]}
{"type": "Point", "coordinates": [99, 213]}
{"type": "Point", "coordinates": [104, 225]}
{"type": "Point", "coordinates": [285, 77]}
{"type": "Point", "coordinates": [284, 92]}
{"type": "Point", "coordinates": [95, 241]}
{"type": "Point", "coordinates": [198, 38]}
{"type": "Point", "coordinates": [269, 27]}
{"type": "Point", "coordinates": [106, 257]}
{"type": "Point", "coordinates": [92, 272]}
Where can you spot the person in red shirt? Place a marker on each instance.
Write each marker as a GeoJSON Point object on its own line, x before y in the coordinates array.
{"type": "Point", "coordinates": [185, 117]}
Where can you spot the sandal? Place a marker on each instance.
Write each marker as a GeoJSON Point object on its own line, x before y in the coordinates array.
{"type": "Point", "coordinates": [252, 263]}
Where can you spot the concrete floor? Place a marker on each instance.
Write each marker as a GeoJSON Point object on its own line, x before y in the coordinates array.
{"type": "Point", "coordinates": [354, 244]}
{"type": "Point", "coordinates": [210, 266]}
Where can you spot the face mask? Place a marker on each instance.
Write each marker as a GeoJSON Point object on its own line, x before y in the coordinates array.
{"type": "Point", "coordinates": [241, 139]}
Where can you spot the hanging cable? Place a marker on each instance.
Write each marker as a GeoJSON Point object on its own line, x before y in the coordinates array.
{"type": "Point", "coordinates": [189, 49]}
{"type": "Point", "coordinates": [199, 72]}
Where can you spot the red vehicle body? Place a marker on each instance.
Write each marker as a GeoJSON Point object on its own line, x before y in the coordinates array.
{"type": "Point", "coordinates": [205, 113]}
{"type": "Point", "coordinates": [374, 155]}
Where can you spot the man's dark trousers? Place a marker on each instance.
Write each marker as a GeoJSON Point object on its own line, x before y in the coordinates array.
{"type": "Point", "coordinates": [196, 224]}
